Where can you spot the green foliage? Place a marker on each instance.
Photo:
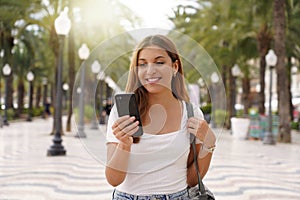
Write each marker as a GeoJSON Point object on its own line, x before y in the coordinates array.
{"type": "Point", "coordinates": [206, 109]}
{"type": "Point", "coordinates": [10, 114]}
{"type": "Point", "coordinates": [37, 111]}
{"type": "Point", "coordinates": [295, 125]}
{"type": "Point", "coordinates": [219, 117]}
{"type": "Point", "coordinates": [240, 113]}
{"type": "Point", "coordinates": [88, 112]}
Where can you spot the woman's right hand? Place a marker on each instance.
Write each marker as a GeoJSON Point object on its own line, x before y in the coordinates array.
{"type": "Point", "coordinates": [123, 129]}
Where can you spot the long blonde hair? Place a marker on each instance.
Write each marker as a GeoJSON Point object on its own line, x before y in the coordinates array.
{"type": "Point", "coordinates": [134, 85]}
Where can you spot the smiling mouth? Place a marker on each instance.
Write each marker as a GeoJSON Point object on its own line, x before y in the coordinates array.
{"type": "Point", "coordinates": [153, 80]}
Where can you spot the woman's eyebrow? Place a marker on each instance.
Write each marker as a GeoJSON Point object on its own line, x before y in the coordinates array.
{"type": "Point", "coordinates": [157, 57]}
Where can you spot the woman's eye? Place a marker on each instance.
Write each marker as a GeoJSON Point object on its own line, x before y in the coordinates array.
{"type": "Point", "coordinates": [142, 64]}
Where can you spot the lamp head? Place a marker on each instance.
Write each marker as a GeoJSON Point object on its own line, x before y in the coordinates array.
{"type": "Point", "coordinates": [63, 23]}
{"type": "Point", "coordinates": [235, 70]}
{"type": "Point", "coordinates": [2, 53]}
{"type": "Point", "coordinates": [6, 70]}
{"type": "Point", "coordinates": [66, 86]}
{"type": "Point", "coordinates": [83, 52]}
{"type": "Point", "coordinates": [96, 67]}
{"type": "Point", "coordinates": [214, 77]}
{"type": "Point", "coordinates": [30, 76]}
{"type": "Point", "coordinates": [271, 58]}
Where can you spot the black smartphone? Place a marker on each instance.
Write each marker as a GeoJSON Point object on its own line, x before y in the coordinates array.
{"type": "Point", "coordinates": [127, 105]}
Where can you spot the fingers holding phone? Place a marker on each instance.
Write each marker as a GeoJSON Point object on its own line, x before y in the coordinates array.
{"type": "Point", "coordinates": [124, 128]}
{"type": "Point", "coordinates": [127, 105]}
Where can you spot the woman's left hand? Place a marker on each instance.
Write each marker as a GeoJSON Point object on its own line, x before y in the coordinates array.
{"type": "Point", "coordinates": [198, 127]}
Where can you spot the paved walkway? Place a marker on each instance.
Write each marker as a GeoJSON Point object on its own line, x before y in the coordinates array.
{"type": "Point", "coordinates": [240, 169]}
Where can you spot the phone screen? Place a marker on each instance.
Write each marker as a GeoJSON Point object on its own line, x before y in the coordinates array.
{"type": "Point", "coordinates": [127, 105]}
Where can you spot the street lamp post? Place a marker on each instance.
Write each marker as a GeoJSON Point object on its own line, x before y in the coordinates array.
{"type": "Point", "coordinates": [101, 77]}
{"type": "Point", "coordinates": [83, 53]}
{"type": "Point", "coordinates": [65, 88]}
{"type": "Point", "coordinates": [62, 26]}
{"type": "Point", "coordinates": [214, 79]}
{"type": "Point", "coordinates": [30, 77]}
{"type": "Point", "coordinates": [235, 71]}
{"type": "Point", "coordinates": [6, 72]}
{"type": "Point", "coordinates": [1, 118]}
{"type": "Point", "coordinates": [271, 60]}
{"type": "Point", "coordinates": [45, 82]}
{"type": "Point", "coordinates": [96, 67]}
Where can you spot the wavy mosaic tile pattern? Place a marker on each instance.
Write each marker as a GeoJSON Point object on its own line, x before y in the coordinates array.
{"type": "Point", "coordinates": [240, 169]}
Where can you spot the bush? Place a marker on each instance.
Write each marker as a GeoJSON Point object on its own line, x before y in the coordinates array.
{"type": "Point", "coordinates": [88, 113]}
{"type": "Point", "coordinates": [10, 113]}
{"type": "Point", "coordinates": [295, 125]}
{"type": "Point", "coordinates": [219, 117]}
{"type": "Point", "coordinates": [240, 113]}
{"type": "Point", "coordinates": [206, 109]}
{"type": "Point", "coordinates": [34, 112]}
{"type": "Point", "coordinates": [37, 111]}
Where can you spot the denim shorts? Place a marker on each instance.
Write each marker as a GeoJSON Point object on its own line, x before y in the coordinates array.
{"type": "Point", "coordinates": [181, 195]}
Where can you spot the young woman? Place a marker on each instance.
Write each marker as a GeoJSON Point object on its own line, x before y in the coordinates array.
{"type": "Point", "coordinates": [160, 164]}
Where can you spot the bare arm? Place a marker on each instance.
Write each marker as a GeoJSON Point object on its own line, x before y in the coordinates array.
{"type": "Point", "coordinates": [201, 130]}
{"type": "Point", "coordinates": [117, 163]}
{"type": "Point", "coordinates": [118, 153]}
{"type": "Point", "coordinates": [203, 164]}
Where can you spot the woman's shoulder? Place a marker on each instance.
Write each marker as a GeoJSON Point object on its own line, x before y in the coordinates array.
{"type": "Point", "coordinates": [196, 109]}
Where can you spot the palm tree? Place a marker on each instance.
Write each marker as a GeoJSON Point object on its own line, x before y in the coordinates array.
{"type": "Point", "coordinates": [105, 21]}
{"type": "Point", "coordinates": [224, 31]}
{"type": "Point", "coordinates": [292, 38]}
{"type": "Point", "coordinates": [284, 134]}
{"type": "Point", "coordinates": [13, 14]}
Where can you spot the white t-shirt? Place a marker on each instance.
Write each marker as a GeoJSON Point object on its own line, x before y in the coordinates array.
{"type": "Point", "coordinates": [157, 164]}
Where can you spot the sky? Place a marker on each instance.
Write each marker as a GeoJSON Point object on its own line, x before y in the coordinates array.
{"type": "Point", "coordinates": [154, 13]}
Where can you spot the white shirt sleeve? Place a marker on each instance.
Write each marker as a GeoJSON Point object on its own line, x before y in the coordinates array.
{"type": "Point", "coordinates": [197, 112]}
{"type": "Point", "coordinates": [111, 119]}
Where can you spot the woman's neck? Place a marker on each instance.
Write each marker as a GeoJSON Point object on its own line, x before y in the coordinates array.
{"type": "Point", "coordinates": [163, 99]}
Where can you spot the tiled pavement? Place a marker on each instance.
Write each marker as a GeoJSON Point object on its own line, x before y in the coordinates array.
{"type": "Point", "coordinates": [240, 169]}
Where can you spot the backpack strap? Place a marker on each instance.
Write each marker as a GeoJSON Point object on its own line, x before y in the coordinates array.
{"type": "Point", "coordinates": [201, 187]}
{"type": "Point", "coordinates": [190, 113]}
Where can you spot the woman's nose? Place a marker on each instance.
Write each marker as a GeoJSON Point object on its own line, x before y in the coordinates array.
{"type": "Point", "coordinates": [151, 68]}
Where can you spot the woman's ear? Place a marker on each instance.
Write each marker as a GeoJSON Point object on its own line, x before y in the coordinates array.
{"type": "Point", "coordinates": [175, 66]}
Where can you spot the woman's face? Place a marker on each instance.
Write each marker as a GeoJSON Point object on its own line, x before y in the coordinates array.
{"type": "Point", "coordinates": [155, 69]}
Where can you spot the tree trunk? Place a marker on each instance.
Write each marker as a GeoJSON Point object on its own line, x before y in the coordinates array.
{"type": "Point", "coordinates": [226, 82]}
{"type": "Point", "coordinates": [31, 92]}
{"type": "Point", "coordinates": [8, 45]}
{"type": "Point", "coordinates": [264, 39]}
{"type": "Point", "coordinates": [71, 60]}
{"type": "Point", "coordinates": [246, 94]}
{"type": "Point", "coordinates": [21, 94]}
{"type": "Point", "coordinates": [10, 98]}
{"type": "Point", "coordinates": [231, 88]}
{"type": "Point", "coordinates": [284, 134]}
{"type": "Point", "coordinates": [289, 86]}
{"type": "Point", "coordinates": [38, 96]}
